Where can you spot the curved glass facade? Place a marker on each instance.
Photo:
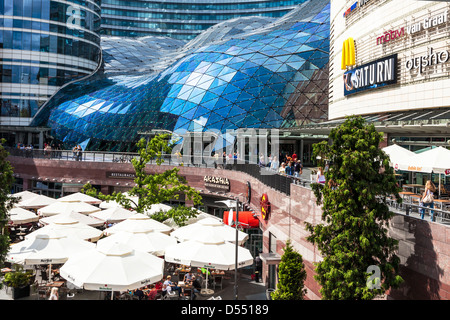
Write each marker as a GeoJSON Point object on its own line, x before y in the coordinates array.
{"type": "Point", "coordinates": [43, 45]}
{"type": "Point", "coordinates": [274, 75]}
{"type": "Point", "coordinates": [182, 19]}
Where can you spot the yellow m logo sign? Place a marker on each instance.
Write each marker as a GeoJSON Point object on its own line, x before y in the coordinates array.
{"type": "Point", "coordinates": [348, 53]}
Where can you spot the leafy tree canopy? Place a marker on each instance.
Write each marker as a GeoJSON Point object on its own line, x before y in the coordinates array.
{"type": "Point", "coordinates": [153, 188]}
{"type": "Point", "coordinates": [291, 275]}
{"type": "Point", "coordinates": [6, 201]}
{"type": "Point", "coordinates": [354, 233]}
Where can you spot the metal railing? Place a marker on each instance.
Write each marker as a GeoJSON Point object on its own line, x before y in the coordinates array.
{"type": "Point", "coordinates": [264, 174]}
{"type": "Point", "coordinates": [408, 208]}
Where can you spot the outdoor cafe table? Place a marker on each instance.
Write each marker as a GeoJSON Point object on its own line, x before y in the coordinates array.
{"type": "Point", "coordinates": [187, 288]}
{"type": "Point", "coordinates": [413, 186]}
{"type": "Point", "coordinates": [406, 194]}
{"type": "Point", "coordinates": [57, 284]}
{"type": "Point", "coordinates": [442, 202]}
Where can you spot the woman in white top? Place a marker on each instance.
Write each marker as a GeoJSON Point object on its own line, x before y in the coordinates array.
{"type": "Point", "coordinates": [282, 169]}
{"type": "Point", "coordinates": [274, 164]}
{"type": "Point", "coordinates": [320, 176]}
{"type": "Point", "coordinates": [54, 294]}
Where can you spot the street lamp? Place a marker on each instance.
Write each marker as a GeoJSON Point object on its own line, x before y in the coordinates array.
{"type": "Point", "coordinates": [229, 204]}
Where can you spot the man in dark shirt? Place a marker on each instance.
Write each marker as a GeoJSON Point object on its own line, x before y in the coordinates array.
{"type": "Point", "coordinates": [197, 286]}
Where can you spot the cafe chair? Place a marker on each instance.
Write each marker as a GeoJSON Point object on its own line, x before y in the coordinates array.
{"type": "Point", "coordinates": [42, 293]}
{"type": "Point", "coordinates": [171, 296]}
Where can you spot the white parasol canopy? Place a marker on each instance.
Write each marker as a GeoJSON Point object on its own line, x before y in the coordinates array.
{"type": "Point", "coordinates": [435, 160]}
{"type": "Point", "coordinates": [69, 227]}
{"type": "Point", "coordinates": [36, 202]}
{"type": "Point", "coordinates": [46, 248]}
{"type": "Point", "coordinates": [109, 204]}
{"type": "Point", "coordinates": [80, 197]}
{"type": "Point", "coordinates": [142, 239]}
{"type": "Point", "coordinates": [201, 215]}
{"type": "Point", "coordinates": [397, 154]}
{"type": "Point", "coordinates": [208, 250]}
{"type": "Point", "coordinates": [113, 214]}
{"type": "Point", "coordinates": [138, 219]}
{"type": "Point", "coordinates": [90, 221]}
{"type": "Point", "coordinates": [61, 207]}
{"type": "Point", "coordinates": [114, 267]}
{"type": "Point", "coordinates": [157, 207]}
{"type": "Point", "coordinates": [24, 195]}
{"type": "Point", "coordinates": [217, 227]}
{"type": "Point", "coordinates": [19, 216]}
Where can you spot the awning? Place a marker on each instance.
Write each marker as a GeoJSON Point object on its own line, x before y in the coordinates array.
{"type": "Point", "coordinates": [270, 258]}
{"type": "Point", "coordinates": [246, 219]}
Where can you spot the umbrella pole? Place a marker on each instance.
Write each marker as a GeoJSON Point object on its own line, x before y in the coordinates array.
{"type": "Point", "coordinates": [207, 271]}
{"type": "Point", "coordinates": [50, 272]}
{"type": "Point", "coordinates": [439, 185]}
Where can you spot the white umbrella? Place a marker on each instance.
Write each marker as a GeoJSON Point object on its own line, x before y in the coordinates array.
{"type": "Point", "coordinates": [229, 203]}
{"type": "Point", "coordinates": [61, 207]}
{"type": "Point", "coordinates": [397, 154]}
{"type": "Point", "coordinates": [140, 220]}
{"type": "Point", "coordinates": [115, 267]}
{"type": "Point", "coordinates": [202, 215]}
{"type": "Point", "coordinates": [90, 221]}
{"type": "Point", "coordinates": [109, 204]}
{"type": "Point", "coordinates": [207, 250]}
{"type": "Point", "coordinates": [435, 160]}
{"type": "Point", "coordinates": [114, 214]}
{"type": "Point", "coordinates": [36, 202]}
{"type": "Point", "coordinates": [20, 216]}
{"type": "Point", "coordinates": [157, 207]}
{"type": "Point", "coordinates": [217, 227]}
{"type": "Point", "coordinates": [69, 226]}
{"type": "Point", "coordinates": [142, 239]}
{"type": "Point", "coordinates": [24, 195]}
{"type": "Point", "coordinates": [46, 248]}
{"type": "Point", "coordinates": [79, 197]}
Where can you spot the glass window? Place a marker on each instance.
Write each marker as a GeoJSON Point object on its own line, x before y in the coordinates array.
{"type": "Point", "coordinates": [26, 41]}
{"type": "Point", "coordinates": [27, 8]}
{"type": "Point", "coordinates": [17, 40]}
{"type": "Point", "coordinates": [45, 10]}
{"type": "Point", "coordinates": [18, 8]}
{"type": "Point", "coordinates": [36, 8]}
{"type": "Point", "coordinates": [35, 41]}
{"type": "Point", "coordinates": [8, 7]}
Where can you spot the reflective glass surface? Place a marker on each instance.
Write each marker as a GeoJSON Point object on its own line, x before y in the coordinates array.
{"type": "Point", "coordinates": [251, 72]}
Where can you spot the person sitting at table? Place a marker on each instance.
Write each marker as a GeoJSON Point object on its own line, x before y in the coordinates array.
{"type": "Point", "coordinates": [152, 292]}
{"type": "Point", "coordinates": [169, 286]}
{"type": "Point", "coordinates": [197, 286]}
{"type": "Point", "coordinates": [427, 199]}
{"type": "Point", "coordinates": [188, 278]}
{"type": "Point", "coordinates": [139, 293]}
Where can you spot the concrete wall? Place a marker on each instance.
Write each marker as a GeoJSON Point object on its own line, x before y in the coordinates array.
{"type": "Point", "coordinates": [424, 246]}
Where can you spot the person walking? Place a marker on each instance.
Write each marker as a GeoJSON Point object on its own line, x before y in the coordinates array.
{"type": "Point", "coordinates": [54, 295]}
{"type": "Point", "coordinates": [79, 153]}
{"type": "Point", "coordinates": [427, 199]}
{"type": "Point", "coordinates": [258, 270]}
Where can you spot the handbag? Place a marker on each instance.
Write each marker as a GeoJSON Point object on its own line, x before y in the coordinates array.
{"type": "Point", "coordinates": [429, 198]}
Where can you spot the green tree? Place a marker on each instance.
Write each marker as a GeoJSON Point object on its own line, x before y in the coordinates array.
{"type": "Point", "coordinates": [354, 235]}
{"type": "Point", "coordinates": [6, 202]}
{"type": "Point", "coordinates": [291, 275]}
{"type": "Point", "coordinates": [153, 188]}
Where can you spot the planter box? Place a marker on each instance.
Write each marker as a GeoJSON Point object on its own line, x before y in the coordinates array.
{"type": "Point", "coordinates": [21, 292]}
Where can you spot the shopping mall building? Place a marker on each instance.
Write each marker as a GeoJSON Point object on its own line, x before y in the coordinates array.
{"type": "Point", "coordinates": [300, 74]}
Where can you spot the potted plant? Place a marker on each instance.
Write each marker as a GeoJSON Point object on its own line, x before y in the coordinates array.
{"type": "Point", "coordinates": [20, 281]}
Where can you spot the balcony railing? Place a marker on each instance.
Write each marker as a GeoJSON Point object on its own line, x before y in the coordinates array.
{"type": "Point", "coordinates": [264, 174]}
